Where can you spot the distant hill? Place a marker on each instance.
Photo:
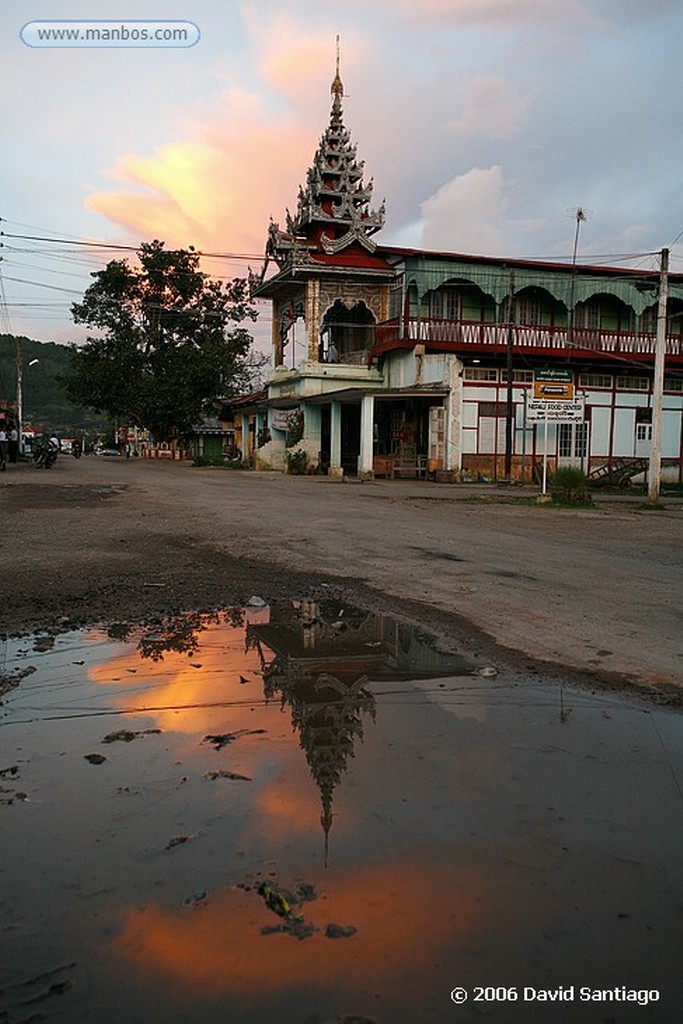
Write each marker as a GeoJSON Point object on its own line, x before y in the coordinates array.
{"type": "Point", "coordinates": [43, 399]}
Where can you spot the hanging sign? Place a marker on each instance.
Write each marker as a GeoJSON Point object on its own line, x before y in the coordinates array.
{"type": "Point", "coordinates": [554, 385]}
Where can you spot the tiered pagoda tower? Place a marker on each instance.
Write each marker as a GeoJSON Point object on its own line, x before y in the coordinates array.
{"type": "Point", "coordinates": [328, 273]}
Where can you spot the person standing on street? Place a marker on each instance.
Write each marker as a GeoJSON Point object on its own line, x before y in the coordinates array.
{"type": "Point", "coordinates": [13, 444]}
{"type": "Point", "coordinates": [3, 447]}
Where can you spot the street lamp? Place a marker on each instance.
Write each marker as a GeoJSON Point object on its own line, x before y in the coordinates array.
{"type": "Point", "coordinates": [20, 397]}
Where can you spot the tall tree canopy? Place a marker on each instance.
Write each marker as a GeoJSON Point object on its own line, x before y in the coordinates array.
{"type": "Point", "coordinates": [169, 344]}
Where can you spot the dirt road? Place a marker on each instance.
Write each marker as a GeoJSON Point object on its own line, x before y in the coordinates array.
{"type": "Point", "coordinates": [596, 591]}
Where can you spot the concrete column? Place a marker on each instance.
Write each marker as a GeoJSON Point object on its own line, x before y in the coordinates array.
{"type": "Point", "coordinates": [313, 318]}
{"type": "Point", "coordinates": [335, 441]}
{"type": "Point", "coordinates": [245, 436]}
{"type": "Point", "coordinates": [454, 407]}
{"type": "Point", "coordinates": [367, 418]}
{"type": "Point", "coordinates": [311, 438]}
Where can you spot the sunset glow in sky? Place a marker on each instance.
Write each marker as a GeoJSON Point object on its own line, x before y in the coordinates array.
{"type": "Point", "coordinates": [484, 124]}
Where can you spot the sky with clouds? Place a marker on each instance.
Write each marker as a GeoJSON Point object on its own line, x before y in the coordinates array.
{"type": "Point", "coordinates": [484, 124]}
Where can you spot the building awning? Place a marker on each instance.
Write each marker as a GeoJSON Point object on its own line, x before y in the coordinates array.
{"type": "Point", "coordinates": [347, 395]}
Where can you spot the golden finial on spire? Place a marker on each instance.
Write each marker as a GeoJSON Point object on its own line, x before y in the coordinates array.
{"type": "Point", "coordinates": [337, 89]}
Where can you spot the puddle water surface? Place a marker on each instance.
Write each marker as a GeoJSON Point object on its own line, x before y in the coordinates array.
{"type": "Point", "coordinates": [305, 814]}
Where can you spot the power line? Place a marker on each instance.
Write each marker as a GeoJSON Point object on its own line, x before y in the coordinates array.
{"type": "Point", "coordinates": [126, 248]}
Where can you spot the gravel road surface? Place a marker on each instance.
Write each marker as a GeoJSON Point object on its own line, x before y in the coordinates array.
{"type": "Point", "coordinates": [597, 591]}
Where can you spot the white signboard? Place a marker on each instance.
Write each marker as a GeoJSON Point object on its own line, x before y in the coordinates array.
{"type": "Point", "coordinates": [540, 410]}
{"type": "Point", "coordinates": [279, 418]}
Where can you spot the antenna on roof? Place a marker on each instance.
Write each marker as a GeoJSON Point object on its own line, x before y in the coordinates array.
{"type": "Point", "coordinates": [579, 214]}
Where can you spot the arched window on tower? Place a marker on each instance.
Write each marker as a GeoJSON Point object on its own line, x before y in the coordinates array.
{"type": "Point", "coordinates": [347, 334]}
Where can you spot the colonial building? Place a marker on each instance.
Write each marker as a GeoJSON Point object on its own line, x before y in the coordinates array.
{"type": "Point", "coordinates": [404, 362]}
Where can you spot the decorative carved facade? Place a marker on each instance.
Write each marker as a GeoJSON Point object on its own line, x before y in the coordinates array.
{"type": "Point", "coordinates": [325, 254]}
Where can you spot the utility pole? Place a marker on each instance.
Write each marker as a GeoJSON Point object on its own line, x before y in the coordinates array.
{"type": "Point", "coordinates": [655, 468]}
{"type": "Point", "coordinates": [580, 216]}
{"type": "Point", "coordinates": [19, 398]}
{"type": "Point", "coordinates": [509, 409]}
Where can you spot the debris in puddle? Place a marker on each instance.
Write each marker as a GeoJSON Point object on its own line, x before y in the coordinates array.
{"type": "Point", "coordinates": [8, 796]}
{"type": "Point", "coordinates": [220, 740]}
{"type": "Point", "coordinates": [197, 899]}
{"type": "Point", "coordinates": [282, 903]}
{"type": "Point", "coordinates": [488, 672]}
{"type": "Point", "coordinates": [243, 680]}
{"type": "Point", "coordinates": [286, 904]}
{"type": "Point", "coordinates": [43, 643]}
{"type": "Point", "coordinates": [181, 840]}
{"type": "Point", "coordinates": [298, 928]}
{"type": "Point", "coordinates": [95, 758]}
{"type": "Point", "coordinates": [33, 990]}
{"type": "Point", "coordinates": [340, 931]}
{"type": "Point", "coordinates": [256, 602]}
{"type": "Point", "coordinates": [126, 736]}
{"type": "Point", "coordinates": [10, 680]}
{"type": "Point", "coordinates": [222, 774]}
{"type": "Point", "coordinates": [274, 899]}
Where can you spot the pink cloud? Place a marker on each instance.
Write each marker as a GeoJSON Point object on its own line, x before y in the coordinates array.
{"type": "Point", "coordinates": [238, 160]}
{"type": "Point", "coordinates": [216, 188]}
{"type": "Point", "coordinates": [491, 108]}
{"type": "Point", "coordinates": [464, 214]}
{"type": "Point", "coordinates": [575, 14]}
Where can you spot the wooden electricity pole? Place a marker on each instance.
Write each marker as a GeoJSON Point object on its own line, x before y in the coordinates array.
{"type": "Point", "coordinates": [509, 410]}
{"type": "Point", "coordinates": [655, 468]}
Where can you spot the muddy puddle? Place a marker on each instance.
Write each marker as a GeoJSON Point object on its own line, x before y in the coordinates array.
{"type": "Point", "coordinates": [306, 814]}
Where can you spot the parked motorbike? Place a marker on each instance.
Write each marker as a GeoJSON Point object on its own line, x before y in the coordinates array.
{"type": "Point", "coordinates": [44, 454]}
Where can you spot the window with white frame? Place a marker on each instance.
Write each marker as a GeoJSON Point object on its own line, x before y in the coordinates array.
{"type": "Point", "coordinates": [643, 431]}
{"type": "Point", "coordinates": [528, 310]}
{"type": "Point", "coordinates": [633, 383]}
{"type": "Point", "coordinates": [523, 376]}
{"type": "Point", "coordinates": [395, 300]}
{"type": "Point", "coordinates": [481, 373]}
{"type": "Point", "coordinates": [588, 315]}
{"type": "Point", "coordinates": [648, 320]}
{"type": "Point", "coordinates": [673, 384]}
{"type": "Point", "coordinates": [595, 380]}
{"type": "Point", "coordinates": [572, 441]}
{"type": "Point", "coordinates": [445, 304]}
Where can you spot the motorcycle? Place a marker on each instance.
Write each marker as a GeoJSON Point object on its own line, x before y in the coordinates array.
{"type": "Point", "coordinates": [44, 454]}
{"type": "Point", "coordinates": [77, 449]}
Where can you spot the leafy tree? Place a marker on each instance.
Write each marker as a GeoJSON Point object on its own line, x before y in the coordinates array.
{"type": "Point", "coordinates": [170, 341]}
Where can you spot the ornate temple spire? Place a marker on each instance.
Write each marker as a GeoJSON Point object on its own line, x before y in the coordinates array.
{"type": "Point", "coordinates": [337, 89]}
{"type": "Point", "coordinates": [334, 206]}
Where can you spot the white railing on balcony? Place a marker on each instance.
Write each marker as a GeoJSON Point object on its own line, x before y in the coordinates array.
{"type": "Point", "coordinates": [464, 332]}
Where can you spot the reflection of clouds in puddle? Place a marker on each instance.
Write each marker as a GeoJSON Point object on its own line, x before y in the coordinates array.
{"type": "Point", "coordinates": [290, 805]}
{"type": "Point", "coordinates": [408, 915]}
{"type": "Point", "coordinates": [172, 685]}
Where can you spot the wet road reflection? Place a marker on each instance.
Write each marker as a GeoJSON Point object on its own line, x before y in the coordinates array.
{"type": "Point", "coordinates": [297, 813]}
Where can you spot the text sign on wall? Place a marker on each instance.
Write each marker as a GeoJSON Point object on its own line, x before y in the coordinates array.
{"type": "Point", "coordinates": [554, 384]}
{"type": "Point", "coordinates": [559, 411]}
{"type": "Point", "coordinates": [279, 418]}
{"type": "Point", "coordinates": [544, 389]}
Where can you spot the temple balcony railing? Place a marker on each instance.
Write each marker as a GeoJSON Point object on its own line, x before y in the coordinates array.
{"type": "Point", "coordinates": [456, 335]}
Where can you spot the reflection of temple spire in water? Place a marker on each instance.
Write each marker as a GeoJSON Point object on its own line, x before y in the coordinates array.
{"type": "Point", "coordinates": [325, 654]}
{"type": "Point", "coordinates": [326, 711]}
